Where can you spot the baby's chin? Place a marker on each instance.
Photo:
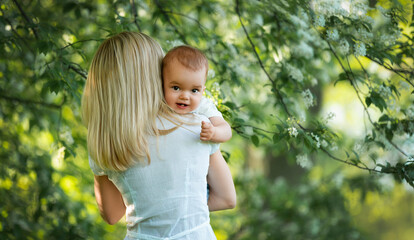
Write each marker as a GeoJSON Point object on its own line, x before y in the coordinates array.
{"type": "Point", "coordinates": [182, 111]}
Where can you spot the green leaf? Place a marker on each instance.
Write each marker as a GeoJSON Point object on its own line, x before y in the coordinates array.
{"type": "Point", "coordinates": [389, 134]}
{"type": "Point", "coordinates": [54, 86]}
{"type": "Point", "coordinates": [356, 155]}
{"type": "Point", "coordinates": [69, 7]}
{"type": "Point", "coordinates": [255, 140]}
{"type": "Point", "coordinates": [276, 138]}
{"type": "Point", "coordinates": [231, 105]}
{"type": "Point", "coordinates": [368, 101]}
{"type": "Point", "coordinates": [343, 76]}
{"type": "Point", "coordinates": [378, 101]}
{"type": "Point", "coordinates": [238, 120]}
{"type": "Point", "coordinates": [355, 161]}
{"type": "Point", "coordinates": [384, 118]}
{"type": "Point", "coordinates": [380, 144]}
{"type": "Point", "coordinates": [280, 127]}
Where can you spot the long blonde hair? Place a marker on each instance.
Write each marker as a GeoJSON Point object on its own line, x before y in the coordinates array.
{"type": "Point", "coordinates": [122, 98]}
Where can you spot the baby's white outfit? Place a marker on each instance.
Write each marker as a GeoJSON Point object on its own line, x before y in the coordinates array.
{"type": "Point", "coordinates": [207, 108]}
{"type": "Point", "coordinates": [167, 198]}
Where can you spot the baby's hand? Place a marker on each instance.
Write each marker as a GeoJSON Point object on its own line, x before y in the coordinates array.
{"type": "Point", "coordinates": [207, 131]}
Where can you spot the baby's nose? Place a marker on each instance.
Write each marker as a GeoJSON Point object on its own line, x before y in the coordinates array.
{"type": "Point", "coordinates": [184, 95]}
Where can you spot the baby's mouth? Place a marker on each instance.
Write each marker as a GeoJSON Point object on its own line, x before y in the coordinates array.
{"type": "Point", "coordinates": [182, 105]}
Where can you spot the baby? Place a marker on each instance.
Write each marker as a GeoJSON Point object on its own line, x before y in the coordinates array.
{"type": "Point", "coordinates": [184, 72]}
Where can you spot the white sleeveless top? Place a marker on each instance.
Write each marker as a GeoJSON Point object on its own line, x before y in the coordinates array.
{"type": "Point", "coordinates": [167, 198]}
{"type": "Point", "coordinates": [207, 108]}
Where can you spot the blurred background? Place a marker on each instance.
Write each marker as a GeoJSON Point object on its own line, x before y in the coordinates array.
{"type": "Point", "coordinates": [319, 95]}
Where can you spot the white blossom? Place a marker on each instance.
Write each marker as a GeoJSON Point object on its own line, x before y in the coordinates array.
{"type": "Point", "coordinates": [66, 135]}
{"type": "Point", "coordinates": [332, 34]}
{"type": "Point", "coordinates": [359, 49]}
{"type": "Point", "coordinates": [306, 36]}
{"type": "Point", "coordinates": [359, 9]}
{"type": "Point", "coordinates": [293, 132]}
{"type": "Point", "coordinates": [211, 74]}
{"type": "Point", "coordinates": [174, 43]}
{"type": "Point", "coordinates": [410, 112]}
{"type": "Point", "coordinates": [365, 35]}
{"type": "Point", "coordinates": [329, 117]}
{"type": "Point", "coordinates": [390, 38]}
{"type": "Point", "coordinates": [297, 21]}
{"type": "Point", "coordinates": [343, 47]}
{"type": "Point", "coordinates": [294, 73]}
{"type": "Point", "coordinates": [334, 147]}
{"type": "Point", "coordinates": [302, 117]}
{"type": "Point", "coordinates": [303, 50]}
{"type": "Point", "coordinates": [324, 143]}
{"type": "Point", "coordinates": [317, 140]}
{"type": "Point", "coordinates": [58, 157]}
{"type": "Point", "coordinates": [308, 98]}
{"type": "Point", "coordinates": [384, 91]}
{"type": "Point", "coordinates": [320, 21]}
{"type": "Point", "coordinates": [303, 161]}
{"type": "Point", "coordinates": [359, 147]}
{"type": "Point", "coordinates": [355, 9]}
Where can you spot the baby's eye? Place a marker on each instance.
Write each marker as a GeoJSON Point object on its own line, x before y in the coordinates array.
{"type": "Point", "coordinates": [175, 88]}
{"type": "Point", "coordinates": [195, 90]}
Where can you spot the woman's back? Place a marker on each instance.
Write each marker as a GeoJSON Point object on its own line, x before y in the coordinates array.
{"type": "Point", "coordinates": [167, 198]}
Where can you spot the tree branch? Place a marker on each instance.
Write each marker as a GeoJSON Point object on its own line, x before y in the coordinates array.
{"type": "Point", "coordinates": [80, 41]}
{"type": "Point", "coordinates": [349, 163]}
{"type": "Point", "coordinates": [277, 92]}
{"type": "Point", "coordinates": [185, 16]}
{"type": "Point", "coordinates": [398, 72]}
{"type": "Point", "coordinates": [16, 33]}
{"type": "Point", "coordinates": [26, 18]}
{"type": "Point", "coordinates": [362, 103]}
{"type": "Point", "coordinates": [164, 13]}
{"type": "Point", "coordinates": [281, 99]}
{"type": "Point", "coordinates": [29, 102]}
{"type": "Point", "coordinates": [135, 14]}
{"type": "Point", "coordinates": [78, 71]}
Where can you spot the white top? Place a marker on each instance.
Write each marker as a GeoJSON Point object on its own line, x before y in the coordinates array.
{"type": "Point", "coordinates": [167, 198]}
{"type": "Point", "coordinates": [207, 108]}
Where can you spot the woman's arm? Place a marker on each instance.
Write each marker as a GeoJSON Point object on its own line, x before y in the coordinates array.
{"type": "Point", "coordinates": [109, 199]}
{"type": "Point", "coordinates": [222, 192]}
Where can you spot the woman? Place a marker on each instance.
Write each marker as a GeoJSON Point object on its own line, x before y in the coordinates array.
{"type": "Point", "coordinates": [148, 161]}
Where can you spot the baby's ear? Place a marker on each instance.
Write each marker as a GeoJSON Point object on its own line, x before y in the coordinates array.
{"type": "Point", "coordinates": [204, 88]}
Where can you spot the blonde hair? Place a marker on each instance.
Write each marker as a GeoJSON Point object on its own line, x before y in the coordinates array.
{"type": "Point", "coordinates": [122, 98]}
{"type": "Point", "coordinates": [188, 56]}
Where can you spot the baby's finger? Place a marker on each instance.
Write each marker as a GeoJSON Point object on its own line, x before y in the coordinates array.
{"type": "Point", "coordinates": [204, 134]}
{"type": "Point", "coordinates": [205, 125]}
{"type": "Point", "coordinates": [204, 138]}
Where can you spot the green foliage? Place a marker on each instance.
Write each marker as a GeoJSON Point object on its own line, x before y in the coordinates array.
{"type": "Point", "coordinates": [274, 210]}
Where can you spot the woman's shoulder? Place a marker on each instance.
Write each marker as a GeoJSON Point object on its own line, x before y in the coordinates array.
{"type": "Point", "coordinates": [179, 119]}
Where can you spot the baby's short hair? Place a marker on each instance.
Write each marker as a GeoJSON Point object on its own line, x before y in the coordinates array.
{"type": "Point", "coordinates": [189, 57]}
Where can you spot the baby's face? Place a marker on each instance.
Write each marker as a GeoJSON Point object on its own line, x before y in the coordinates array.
{"type": "Point", "coordinates": [183, 88]}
